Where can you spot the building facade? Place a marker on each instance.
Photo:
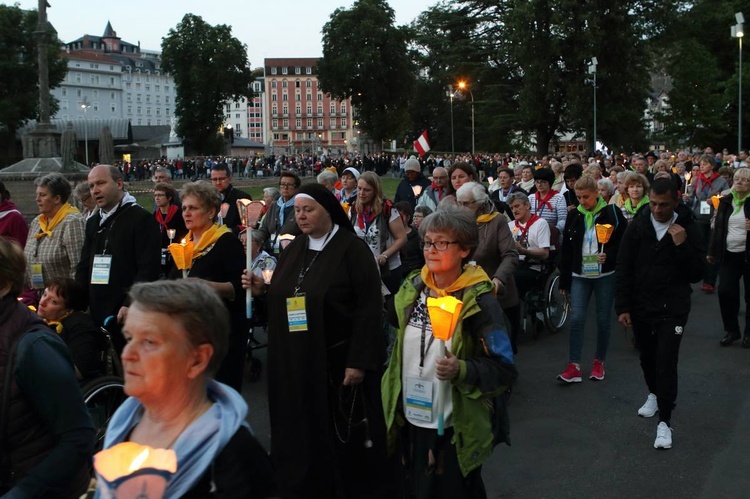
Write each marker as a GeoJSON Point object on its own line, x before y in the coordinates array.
{"type": "Point", "coordinates": [300, 118]}
{"type": "Point", "coordinates": [247, 117]}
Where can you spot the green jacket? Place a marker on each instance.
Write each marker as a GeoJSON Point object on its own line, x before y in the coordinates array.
{"type": "Point", "coordinates": [481, 344]}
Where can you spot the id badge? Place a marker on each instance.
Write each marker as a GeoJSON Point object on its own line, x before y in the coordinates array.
{"type": "Point", "coordinates": [101, 268]}
{"type": "Point", "coordinates": [590, 266]}
{"type": "Point", "coordinates": [705, 208]}
{"type": "Point", "coordinates": [163, 257]}
{"type": "Point", "coordinates": [37, 278]}
{"type": "Point", "coordinates": [296, 313]}
{"type": "Point", "coordinates": [419, 399]}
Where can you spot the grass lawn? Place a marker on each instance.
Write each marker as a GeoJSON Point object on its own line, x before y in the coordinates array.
{"type": "Point", "coordinates": [143, 190]}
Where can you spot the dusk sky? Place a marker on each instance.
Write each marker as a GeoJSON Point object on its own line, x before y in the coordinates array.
{"type": "Point", "coordinates": [280, 28]}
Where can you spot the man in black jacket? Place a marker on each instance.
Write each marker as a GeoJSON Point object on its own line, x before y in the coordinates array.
{"type": "Point", "coordinates": [654, 271]}
{"type": "Point", "coordinates": [221, 177]}
{"type": "Point", "coordinates": [122, 246]}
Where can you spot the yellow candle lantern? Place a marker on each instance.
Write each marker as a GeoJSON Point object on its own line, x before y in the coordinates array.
{"type": "Point", "coordinates": [444, 314]}
{"type": "Point", "coordinates": [345, 207]}
{"type": "Point", "coordinates": [182, 254]}
{"type": "Point", "coordinates": [604, 232]}
{"type": "Point", "coordinates": [715, 201]}
{"type": "Point", "coordinates": [129, 470]}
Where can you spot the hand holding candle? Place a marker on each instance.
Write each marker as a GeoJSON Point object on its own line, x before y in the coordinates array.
{"type": "Point", "coordinates": [603, 234]}
{"type": "Point", "coordinates": [182, 255]}
{"type": "Point", "coordinates": [444, 313]}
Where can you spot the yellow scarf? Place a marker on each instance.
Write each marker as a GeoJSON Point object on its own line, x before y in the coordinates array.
{"type": "Point", "coordinates": [46, 227]}
{"type": "Point", "coordinates": [207, 240]}
{"type": "Point", "coordinates": [483, 219]}
{"type": "Point", "coordinates": [472, 274]}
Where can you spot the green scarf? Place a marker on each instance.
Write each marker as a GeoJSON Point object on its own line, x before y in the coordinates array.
{"type": "Point", "coordinates": [629, 205]}
{"type": "Point", "coordinates": [738, 203]}
{"type": "Point", "coordinates": [600, 204]}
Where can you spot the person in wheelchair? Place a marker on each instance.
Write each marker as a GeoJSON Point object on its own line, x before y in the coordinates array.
{"type": "Point", "coordinates": [62, 306]}
{"type": "Point", "coordinates": [262, 266]}
{"type": "Point", "coordinates": [531, 234]}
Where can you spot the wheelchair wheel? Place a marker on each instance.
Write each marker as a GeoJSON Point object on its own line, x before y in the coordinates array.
{"type": "Point", "coordinates": [102, 397]}
{"type": "Point", "coordinates": [556, 308]}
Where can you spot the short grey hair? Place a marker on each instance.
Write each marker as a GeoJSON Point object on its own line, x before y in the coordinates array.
{"type": "Point", "coordinates": [459, 222]}
{"type": "Point", "coordinates": [327, 176]}
{"type": "Point", "coordinates": [475, 190]}
{"type": "Point", "coordinates": [207, 194]}
{"type": "Point", "coordinates": [195, 306]}
{"type": "Point", "coordinates": [82, 191]}
{"type": "Point", "coordinates": [273, 192]}
{"type": "Point", "coordinates": [517, 196]}
{"type": "Point", "coordinates": [161, 169]}
{"type": "Point", "coordinates": [56, 184]}
{"type": "Point", "coordinates": [607, 184]}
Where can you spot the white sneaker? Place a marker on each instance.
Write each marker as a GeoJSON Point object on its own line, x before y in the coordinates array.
{"type": "Point", "coordinates": [663, 436]}
{"type": "Point", "coordinates": [648, 409]}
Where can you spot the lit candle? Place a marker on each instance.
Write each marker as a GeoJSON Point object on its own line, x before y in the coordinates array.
{"type": "Point", "coordinates": [444, 313]}
{"type": "Point", "coordinates": [131, 471]}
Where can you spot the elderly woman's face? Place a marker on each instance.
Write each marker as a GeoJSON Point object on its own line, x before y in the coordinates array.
{"type": "Point", "coordinates": [158, 357]}
{"type": "Point", "coordinates": [526, 174]}
{"type": "Point", "coordinates": [196, 216]}
{"type": "Point", "coordinates": [47, 203]}
{"type": "Point", "coordinates": [468, 201]}
{"type": "Point", "coordinates": [348, 181]}
{"type": "Point", "coordinates": [51, 306]}
{"type": "Point", "coordinates": [604, 192]}
{"type": "Point", "coordinates": [635, 191]}
{"type": "Point", "coordinates": [416, 219]}
{"type": "Point", "coordinates": [505, 180]}
{"type": "Point", "coordinates": [446, 261]}
{"type": "Point", "coordinates": [741, 184]}
{"type": "Point", "coordinates": [312, 219]}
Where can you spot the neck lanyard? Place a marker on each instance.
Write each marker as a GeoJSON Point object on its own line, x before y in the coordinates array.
{"type": "Point", "coordinates": [422, 350]}
{"type": "Point", "coordinates": [110, 226]}
{"type": "Point", "coordinates": [304, 270]}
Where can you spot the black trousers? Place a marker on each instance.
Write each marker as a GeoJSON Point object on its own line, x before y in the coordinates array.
{"type": "Point", "coordinates": [659, 345]}
{"type": "Point", "coordinates": [733, 267]}
{"type": "Point", "coordinates": [710, 270]}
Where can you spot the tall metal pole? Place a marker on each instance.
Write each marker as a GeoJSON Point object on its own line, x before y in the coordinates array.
{"type": "Point", "coordinates": [42, 36]}
{"type": "Point", "coordinates": [453, 143]}
{"type": "Point", "coordinates": [594, 151]}
{"type": "Point", "coordinates": [739, 113]}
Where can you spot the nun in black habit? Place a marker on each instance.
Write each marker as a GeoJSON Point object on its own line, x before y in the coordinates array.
{"type": "Point", "coordinates": [325, 355]}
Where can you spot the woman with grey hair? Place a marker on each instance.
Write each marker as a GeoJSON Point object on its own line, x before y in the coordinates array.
{"type": "Point", "coordinates": [468, 373]}
{"type": "Point", "coordinates": [56, 236]}
{"type": "Point", "coordinates": [606, 189]}
{"type": "Point", "coordinates": [496, 252]}
{"type": "Point", "coordinates": [85, 203]}
{"type": "Point", "coordinates": [176, 334]}
{"type": "Point", "coordinates": [218, 260]}
{"type": "Point", "coordinates": [328, 179]}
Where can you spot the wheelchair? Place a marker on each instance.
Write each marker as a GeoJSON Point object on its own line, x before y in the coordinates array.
{"type": "Point", "coordinates": [104, 395]}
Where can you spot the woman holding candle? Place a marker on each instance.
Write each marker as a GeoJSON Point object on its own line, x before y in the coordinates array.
{"type": "Point", "coordinates": [55, 236]}
{"type": "Point", "coordinates": [729, 246]}
{"type": "Point", "coordinates": [325, 354]}
{"type": "Point", "coordinates": [218, 259]}
{"type": "Point", "coordinates": [477, 365]}
{"type": "Point", "coordinates": [168, 214]}
{"type": "Point", "coordinates": [177, 335]}
{"type": "Point", "coordinates": [587, 266]}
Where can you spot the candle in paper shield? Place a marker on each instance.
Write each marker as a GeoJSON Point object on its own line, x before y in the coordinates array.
{"type": "Point", "coordinates": [345, 207]}
{"type": "Point", "coordinates": [604, 232]}
{"type": "Point", "coordinates": [182, 255]}
{"type": "Point", "coordinates": [444, 314]}
{"type": "Point", "coordinates": [133, 471]}
{"type": "Point", "coordinates": [241, 208]}
{"type": "Point", "coordinates": [170, 234]}
{"type": "Point", "coordinates": [223, 212]}
{"type": "Point", "coordinates": [715, 201]}
{"type": "Point", "coordinates": [417, 190]}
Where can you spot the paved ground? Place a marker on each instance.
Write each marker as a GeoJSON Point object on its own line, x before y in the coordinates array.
{"type": "Point", "coordinates": [587, 441]}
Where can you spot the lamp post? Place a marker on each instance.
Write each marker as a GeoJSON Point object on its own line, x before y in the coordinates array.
{"type": "Point", "coordinates": [85, 105]}
{"type": "Point", "coordinates": [453, 143]}
{"type": "Point", "coordinates": [738, 32]}
{"type": "Point", "coordinates": [592, 81]}
{"type": "Point", "coordinates": [463, 86]}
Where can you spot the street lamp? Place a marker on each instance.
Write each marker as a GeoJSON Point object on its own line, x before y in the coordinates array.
{"type": "Point", "coordinates": [463, 86]}
{"type": "Point", "coordinates": [738, 32]}
{"type": "Point", "coordinates": [85, 105]}
{"type": "Point", "coordinates": [592, 82]}
{"type": "Point", "coordinates": [453, 144]}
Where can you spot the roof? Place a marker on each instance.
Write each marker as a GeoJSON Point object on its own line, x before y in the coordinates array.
{"type": "Point", "coordinates": [89, 55]}
{"type": "Point", "coordinates": [150, 133]}
{"type": "Point", "coordinates": [91, 128]}
{"type": "Point", "coordinates": [109, 32]}
{"type": "Point", "coordinates": [292, 62]}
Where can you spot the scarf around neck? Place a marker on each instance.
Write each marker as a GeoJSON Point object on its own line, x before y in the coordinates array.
{"type": "Point", "coordinates": [283, 206]}
{"type": "Point", "coordinates": [541, 202]}
{"type": "Point", "coordinates": [629, 205]}
{"type": "Point", "coordinates": [472, 274]}
{"type": "Point", "coordinates": [208, 239]}
{"type": "Point", "coordinates": [738, 202]}
{"type": "Point", "coordinates": [171, 212]}
{"type": "Point", "coordinates": [47, 226]}
{"type": "Point", "coordinates": [589, 215]}
{"type": "Point", "coordinates": [439, 191]}
{"type": "Point", "coordinates": [486, 217]}
{"type": "Point", "coordinates": [707, 181]}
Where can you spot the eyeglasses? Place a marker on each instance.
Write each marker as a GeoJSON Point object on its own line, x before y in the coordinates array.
{"type": "Point", "coordinates": [218, 179]}
{"type": "Point", "coordinates": [438, 245]}
{"type": "Point", "coordinates": [159, 195]}
{"type": "Point", "coordinates": [439, 178]}
{"type": "Point", "coordinates": [287, 185]}
{"type": "Point", "coordinates": [465, 203]}
{"type": "Point", "coordinates": [741, 180]}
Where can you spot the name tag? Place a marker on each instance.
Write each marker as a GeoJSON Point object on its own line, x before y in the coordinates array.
{"type": "Point", "coordinates": [590, 266]}
{"type": "Point", "coordinates": [419, 399]}
{"type": "Point", "coordinates": [296, 313]}
{"type": "Point", "coordinates": [37, 278]}
{"type": "Point", "coordinates": [163, 256]}
{"type": "Point", "coordinates": [705, 208]}
{"type": "Point", "coordinates": [101, 268]}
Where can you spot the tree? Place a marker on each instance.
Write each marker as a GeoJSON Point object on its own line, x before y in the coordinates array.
{"type": "Point", "coordinates": [209, 67]}
{"type": "Point", "coordinates": [19, 72]}
{"type": "Point", "coordinates": [365, 58]}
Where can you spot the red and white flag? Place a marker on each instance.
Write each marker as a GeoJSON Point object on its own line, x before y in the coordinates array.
{"type": "Point", "coordinates": [421, 144]}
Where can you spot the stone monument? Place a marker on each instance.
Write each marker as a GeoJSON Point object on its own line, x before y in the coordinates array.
{"type": "Point", "coordinates": [106, 147]}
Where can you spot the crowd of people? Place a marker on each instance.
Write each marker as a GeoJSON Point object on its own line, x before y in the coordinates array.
{"type": "Point", "coordinates": [344, 280]}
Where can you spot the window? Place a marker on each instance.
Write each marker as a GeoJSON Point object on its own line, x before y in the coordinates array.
{"type": "Point", "coordinates": [286, 124]}
{"type": "Point", "coordinates": [273, 84]}
{"type": "Point", "coordinates": [343, 108]}
{"type": "Point", "coordinates": [130, 109]}
{"type": "Point", "coordinates": [236, 105]}
{"type": "Point", "coordinates": [309, 109]}
{"type": "Point", "coordinates": [157, 88]}
{"type": "Point", "coordinates": [275, 124]}
{"type": "Point", "coordinates": [166, 88]}
{"type": "Point", "coordinates": [273, 71]}
{"type": "Point", "coordinates": [297, 71]}
{"type": "Point", "coordinates": [111, 96]}
{"type": "Point", "coordinates": [274, 98]}
{"type": "Point", "coordinates": [320, 96]}
{"type": "Point", "coordinates": [138, 110]}
{"type": "Point", "coordinates": [343, 122]}
{"type": "Point", "coordinates": [285, 97]}
{"type": "Point", "coordinates": [284, 84]}
{"type": "Point", "coordinates": [333, 109]}
{"type": "Point", "coordinates": [64, 92]}
{"type": "Point", "coordinates": [298, 109]}
{"type": "Point", "coordinates": [274, 109]}
{"type": "Point", "coordinates": [308, 84]}
{"type": "Point", "coordinates": [158, 111]}
{"type": "Point", "coordinates": [284, 70]}
{"type": "Point", "coordinates": [308, 71]}
{"type": "Point", "coordinates": [308, 96]}
{"type": "Point", "coordinates": [285, 110]}
{"type": "Point", "coordinates": [148, 111]}
{"type": "Point", "coordinates": [148, 98]}
{"type": "Point", "coordinates": [64, 104]}
{"type": "Point", "coordinates": [137, 86]}
{"type": "Point", "coordinates": [256, 86]}
{"type": "Point", "coordinates": [229, 107]}
{"type": "Point", "coordinates": [333, 122]}
{"type": "Point", "coordinates": [112, 80]}
{"type": "Point", "coordinates": [78, 77]}
{"type": "Point", "coordinates": [128, 85]}
{"type": "Point", "coordinates": [237, 116]}
{"type": "Point", "coordinates": [320, 122]}
{"type": "Point", "coordinates": [166, 111]}
{"type": "Point", "coordinates": [299, 123]}
{"type": "Point", "coordinates": [309, 122]}
{"type": "Point", "coordinates": [147, 87]}
{"type": "Point", "coordinates": [297, 84]}
{"type": "Point", "coordinates": [320, 108]}
{"type": "Point", "coordinates": [276, 136]}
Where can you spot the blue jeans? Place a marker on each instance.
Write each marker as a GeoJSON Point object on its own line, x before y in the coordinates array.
{"type": "Point", "coordinates": [580, 295]}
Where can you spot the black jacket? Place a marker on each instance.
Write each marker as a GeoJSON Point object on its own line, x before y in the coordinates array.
{"type": "Point", "coordinates": [230, 196]}
{"type": "Point", "coordinates": [404, 191]}
{"type": "Point", "coordinates": [653, 277]}
{"type": "Point", "coordinates": [571, 251]}
{"type": "Point", "coordinates": [718, 243]}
